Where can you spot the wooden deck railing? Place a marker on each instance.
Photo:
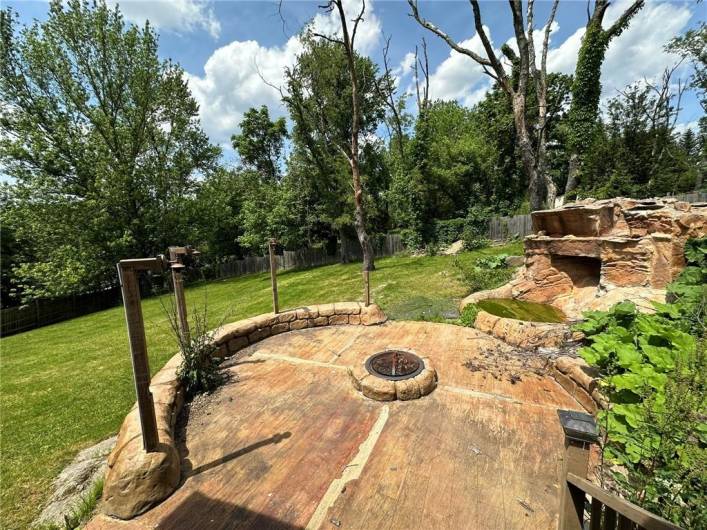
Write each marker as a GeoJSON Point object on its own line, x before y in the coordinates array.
{"type": "Point", "coordinates": [585, 506]}
{"type": "Point", "coordinates": [609, 512]}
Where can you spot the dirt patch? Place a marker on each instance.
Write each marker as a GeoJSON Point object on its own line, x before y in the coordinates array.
{"type": "Point", "coordinates": [516, 364]}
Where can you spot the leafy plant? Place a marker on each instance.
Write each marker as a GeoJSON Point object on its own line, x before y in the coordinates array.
{"type": "Point", "coordinates": [485, 273]}
{"type": "Point", "coordinates": [653, 370]}
{"type": "Point", "coordinates": [199, 371]}
{"type": "Point", "coordinates": [492, 262]}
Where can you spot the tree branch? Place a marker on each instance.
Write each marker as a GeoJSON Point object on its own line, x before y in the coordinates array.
{"type": "Point", "coordinates": [622, 22]}
{"type": "Point", "coordinates": [452, 44]}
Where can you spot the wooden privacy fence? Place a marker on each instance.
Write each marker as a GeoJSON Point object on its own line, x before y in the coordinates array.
{"type": "Point", "coordinates": [304, 258]}
{"type": "Point", "coordinates": [41, 312]}
{"type": "Point", "coordinates": [501, 228]}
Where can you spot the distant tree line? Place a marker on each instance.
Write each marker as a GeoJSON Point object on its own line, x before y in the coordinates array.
{"type": "Point", "coordinates": [108, 160]}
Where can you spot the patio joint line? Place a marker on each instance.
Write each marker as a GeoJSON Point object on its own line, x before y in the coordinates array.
{"type": "Point", "coordinates": [352, 471]}
{"type": "Point", "coordinates": [495, 397]}
{"type": "Point", "coordinates": [296, 360]}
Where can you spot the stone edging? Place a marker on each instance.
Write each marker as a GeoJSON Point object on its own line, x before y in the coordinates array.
{"type": "Point", "coordinates": [135, 480]}
{"type": "Point", "coordinates": [581, 381]}
{"type": "Point", "coordinates": [521, 333]}
{"type": "Point", "coordinates": [381, 389]}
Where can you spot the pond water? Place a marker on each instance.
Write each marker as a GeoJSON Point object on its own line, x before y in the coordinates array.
{"type": "Point", "coordinates": [520, 310]}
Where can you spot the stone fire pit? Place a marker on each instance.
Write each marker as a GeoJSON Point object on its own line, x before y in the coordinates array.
{"type": "Point", "coordinates": [394, 374]}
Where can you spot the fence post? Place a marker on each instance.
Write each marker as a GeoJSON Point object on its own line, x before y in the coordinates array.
{"type": "Point", "coordinates": [580, 431]}
{"type": "Point", "coordinates": [273, 276]}
{"type": "Point", "coordinates": [367, 288]}
{"type": "Point", "coordinates": [127, 275]}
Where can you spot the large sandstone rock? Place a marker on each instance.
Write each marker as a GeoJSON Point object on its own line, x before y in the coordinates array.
{"type": "Point", "coordinates": [584, 253]}
{"type": "Point", "coordinates": [522, 334]}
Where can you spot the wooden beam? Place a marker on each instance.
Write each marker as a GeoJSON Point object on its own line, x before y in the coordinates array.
{"type": "Point", "coordinates": [127, 274]}
{"type": "Point", "coordinates": [572, 499]}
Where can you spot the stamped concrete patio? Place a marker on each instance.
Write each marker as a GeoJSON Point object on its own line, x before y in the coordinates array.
{"type": "Point", "coordinates": [288, 443]}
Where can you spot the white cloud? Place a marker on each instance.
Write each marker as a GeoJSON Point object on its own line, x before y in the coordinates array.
{"type": "Point", "coordinates": [181, 16]}
{"type": "Point", "coordinates": [680, 128]}
{"type": "Point", "coordinates": [637, 53]}
{"type": "Point", "coordinates": [232, 80]}
{"type": "Point", "coordinates": [458, 77]}
{"type": "Point", "coordinates": [406, 65]}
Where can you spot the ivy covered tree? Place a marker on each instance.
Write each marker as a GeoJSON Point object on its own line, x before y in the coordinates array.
{"type": "Point", "coordinates": [103, 141]}
{"type": "Point", "coordinates": [586, 87]}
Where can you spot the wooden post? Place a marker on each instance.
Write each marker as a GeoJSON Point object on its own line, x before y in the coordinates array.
{"type": "Point", "coordinates": [367, 288]}
{"type": "Point", "coordinates": [580, 432]}
{"type": "Point", "coordinates": [273, 276]}
{"type": "Point", "coordinates": [127, 274]}
{"type": "Point", "coordinates": [180, 302]}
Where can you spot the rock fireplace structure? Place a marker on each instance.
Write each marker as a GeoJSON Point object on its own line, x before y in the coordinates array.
{"type": "Point", "coordinates": [592, 254]}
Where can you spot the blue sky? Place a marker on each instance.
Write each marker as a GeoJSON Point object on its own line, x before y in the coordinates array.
{"type": "Point", "coordinates": [226, 46]}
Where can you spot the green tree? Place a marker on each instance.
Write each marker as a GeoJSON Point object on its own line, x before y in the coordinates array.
{"type": "Point", "coordinates": [103, 141]}
{"type": "Point", "coordinates": [636, 152]}
{"type": "Point", "coordinates": [318, 97]}
{"type": "Point", "coordinates": [260, 142]}
{"type": "Point", "coordinates": [586, 88]}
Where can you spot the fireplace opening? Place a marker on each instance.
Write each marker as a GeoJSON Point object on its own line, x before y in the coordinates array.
{"type": "Point", "coordinates": [394, 365]}
{"type": "Point", "coordinates": [582, 270]}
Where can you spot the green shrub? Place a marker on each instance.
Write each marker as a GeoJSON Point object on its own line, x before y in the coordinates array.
{"type": "Point", "coordinates": [479, 277]}
{"type": "Point", "coordinates": [468, 315]}
{"type": "Point", "coordinates": [475, 230]}
{"type": "Point", "coordinates": [448, 231]}
{"type": "Point", "coordinates": [653, 371]}
{"type": "Point", "coordinates": [412, 239]}
{"type": "Point", "coordinates": [199, 371]}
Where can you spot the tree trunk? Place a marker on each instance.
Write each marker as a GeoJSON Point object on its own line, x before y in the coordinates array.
{"type": "Point", "coordinates": [359, 214]}
{"type": "Point", "coordinates": [527, 153]}
{"type": "Point", "coordinates": [572, 174]}
{"type": "Point", "coordinates": [360, 220]}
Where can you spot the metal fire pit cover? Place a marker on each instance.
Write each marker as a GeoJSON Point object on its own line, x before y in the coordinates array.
{"type": "Point", "coordinates": [394, 365]}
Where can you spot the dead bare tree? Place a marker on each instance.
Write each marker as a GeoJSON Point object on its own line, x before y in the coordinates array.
{"type": "Point", "coordinates": [386, 90]}
{"type": "Point", "coordinates": [423, 93]}
{"type": "Point", "coordinates": [351, 152]}
{"type": "Point", "coordinates": [662, 116]}
{"type": "Point", "coordinates": [531, 147]}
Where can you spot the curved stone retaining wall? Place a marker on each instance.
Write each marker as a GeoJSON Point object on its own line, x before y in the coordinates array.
{"type": "Point", "coordinates": [135, 480]}
{"type": "Point", "coordinates": [521, 333]}
{"type": "Point", "coordinates": [581, 381]}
